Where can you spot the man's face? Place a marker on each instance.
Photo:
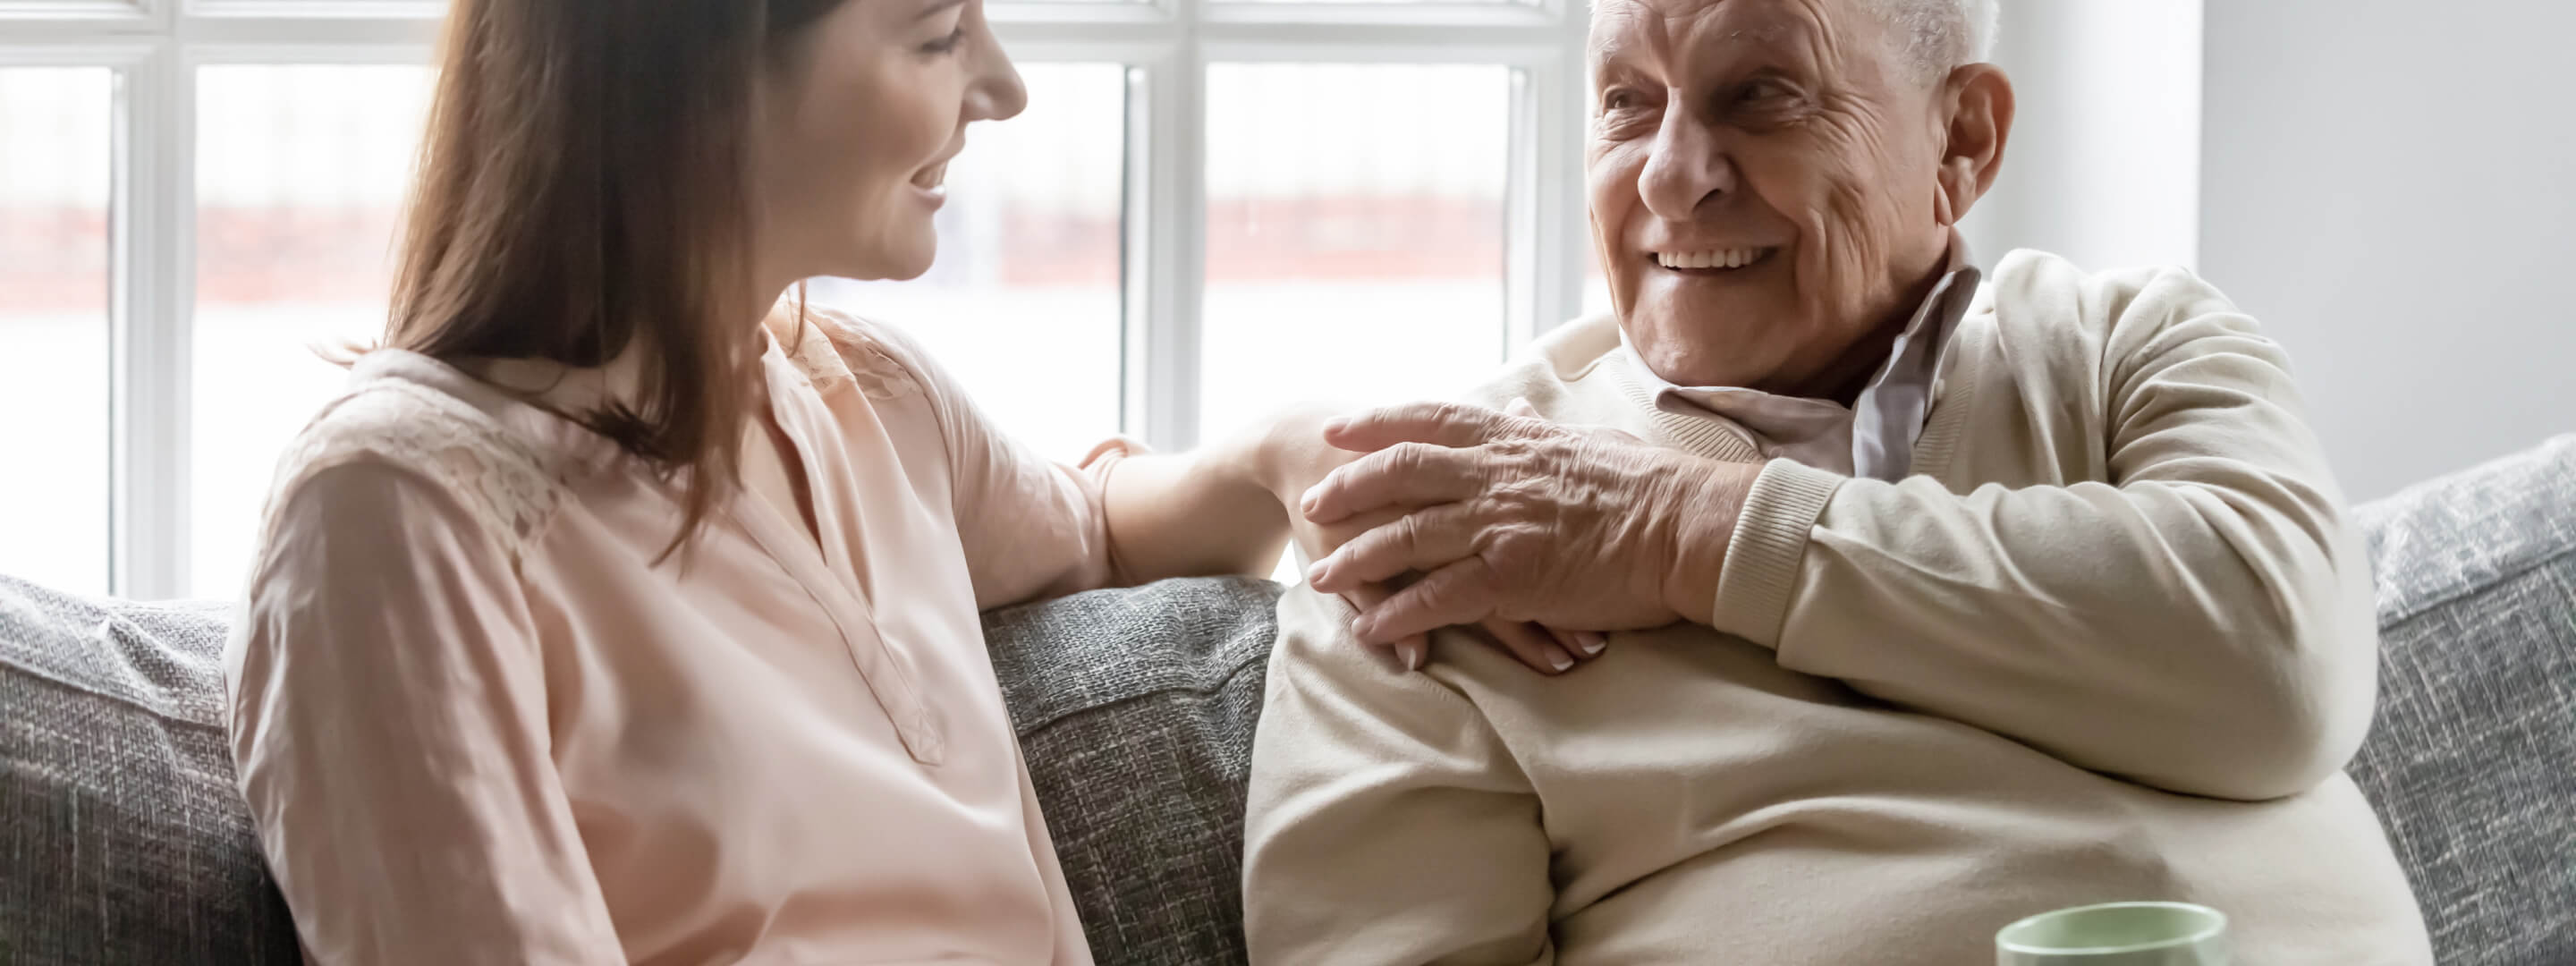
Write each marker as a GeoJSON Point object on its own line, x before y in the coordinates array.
{"type": "Point", "coordinates": [1763, 176]}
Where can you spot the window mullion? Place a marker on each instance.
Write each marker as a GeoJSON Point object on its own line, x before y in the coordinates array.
{"type": "Point", "coordinates": [1525, 188]}
{"type": "Point", "coordinates": [153, 237]}
{"type": "Point", "coordinates": [1564, 242]}
{"type": "Point", "coordinates": [1168, 226]}
{"type": "Point", "coordinates": [1550, 242]}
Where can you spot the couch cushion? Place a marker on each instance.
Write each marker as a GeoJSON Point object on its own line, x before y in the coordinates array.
{"type": "Point", "coordinates": [2472, 759]}
{"type": "Point", "coordinates": [122, 839]}
{"type": "Point", "coordinates": [1135, 710]}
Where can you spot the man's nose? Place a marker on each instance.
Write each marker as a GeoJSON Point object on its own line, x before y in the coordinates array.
{"type": "Point", "coordinates": [1686, 168]}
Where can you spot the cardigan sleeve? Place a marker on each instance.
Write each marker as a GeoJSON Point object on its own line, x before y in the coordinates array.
{"type": "Point", "coordinates": [2197, 617]}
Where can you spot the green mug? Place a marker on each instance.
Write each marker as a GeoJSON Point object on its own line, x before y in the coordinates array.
{"type": "Point", "coordinates": [2117, 934]}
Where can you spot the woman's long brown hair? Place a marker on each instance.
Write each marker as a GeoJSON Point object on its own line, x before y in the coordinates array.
{"type": "Point", "coordinates": [583, 188]}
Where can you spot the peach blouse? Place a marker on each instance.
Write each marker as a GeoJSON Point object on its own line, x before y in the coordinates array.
{"type": "Point", "coordinates": [476, 722]}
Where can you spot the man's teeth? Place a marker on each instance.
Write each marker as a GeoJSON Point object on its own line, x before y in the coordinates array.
{"type": "Point", "coordinates": [1716, 258]}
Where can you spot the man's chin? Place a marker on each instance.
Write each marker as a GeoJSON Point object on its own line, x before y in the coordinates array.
{"type": "Point", "coordinates": [1706, 342]}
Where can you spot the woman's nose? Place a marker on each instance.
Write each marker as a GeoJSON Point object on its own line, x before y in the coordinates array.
{"type": "Point", "coordinates": [996, 93]}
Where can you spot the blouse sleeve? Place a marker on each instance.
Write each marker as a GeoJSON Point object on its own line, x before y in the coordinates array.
{"type": "Point", "coordinates": [389, 725]}
{"type": "Point", "coordinates": [1033, 528]}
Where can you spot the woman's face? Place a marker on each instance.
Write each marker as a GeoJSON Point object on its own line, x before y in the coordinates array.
{"type": "Point", "coordinates": [857, 125]}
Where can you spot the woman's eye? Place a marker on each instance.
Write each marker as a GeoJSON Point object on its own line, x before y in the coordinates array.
{"type": "Point", "coordinates": [947, 44]}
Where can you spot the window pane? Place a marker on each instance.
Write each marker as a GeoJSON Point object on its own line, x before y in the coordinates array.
{"type": "Point", "coordinates": [1433, 3]}
{"type": "Point", "coordinates": [54, 183]}
{"type": "Point", "coordinates": [1023, 302]}
{"type": "Point", "coordinates": [1596, 288]}
{"type": "Point", "coordinates": [1354, 238]}
{"type": "Point", "coordinates": [301, 171]}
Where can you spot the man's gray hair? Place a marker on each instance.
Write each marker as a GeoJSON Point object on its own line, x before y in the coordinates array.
{"type": "Point", "coordinates": [1937, 36]}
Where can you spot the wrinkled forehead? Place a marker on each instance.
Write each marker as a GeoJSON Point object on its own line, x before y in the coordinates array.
{"type": "Point", "coordinates": [1674, 33]}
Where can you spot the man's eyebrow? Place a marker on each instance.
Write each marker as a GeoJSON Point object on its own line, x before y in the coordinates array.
{"type": "Point", "coordinates": [938, 7]}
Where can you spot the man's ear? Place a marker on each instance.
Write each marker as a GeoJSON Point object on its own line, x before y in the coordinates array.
{"type": "Point", "coordinates": [1980, 102]}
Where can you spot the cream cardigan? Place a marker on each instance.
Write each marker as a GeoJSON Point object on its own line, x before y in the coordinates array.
{"type": "Point", "coordinates": [2113, 640]}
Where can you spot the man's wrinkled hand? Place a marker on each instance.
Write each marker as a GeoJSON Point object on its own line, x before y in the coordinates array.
{"type": "Point", "coordinates": [1509, 518]}
{"type": "Point", "coordinates": [1297, 459]}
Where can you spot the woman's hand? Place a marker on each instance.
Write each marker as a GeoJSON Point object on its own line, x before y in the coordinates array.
{"type": "Point", "coordinates": [1295, 457]}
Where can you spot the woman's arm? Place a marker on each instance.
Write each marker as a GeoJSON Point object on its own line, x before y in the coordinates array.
{"type": "Point", "coordinates": [390, 732]}
{"type": "Point", "coordinates": [1033, 528]}
{"type": "Point", "coordinates": [1218, 510]}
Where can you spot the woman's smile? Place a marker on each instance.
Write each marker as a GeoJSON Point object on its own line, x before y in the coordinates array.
{"type": "Point", "coordinates": [931, 185]}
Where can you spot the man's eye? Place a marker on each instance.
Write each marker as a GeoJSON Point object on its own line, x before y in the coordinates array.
{"type": "Point", "coordinates": [1619, 100]}
{"type": "Point", "coordinates": [1759, 91]}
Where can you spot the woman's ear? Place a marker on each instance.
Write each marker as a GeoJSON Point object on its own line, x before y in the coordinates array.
{"type": "Point", "coordinates": [1980, 102]}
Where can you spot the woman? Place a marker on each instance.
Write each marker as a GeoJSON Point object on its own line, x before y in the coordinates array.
{"type": "Point", "coordinates": [614, 616]}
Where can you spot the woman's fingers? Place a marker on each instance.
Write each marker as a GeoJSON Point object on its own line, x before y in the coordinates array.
{"type": "Point", "coordinates": [1413, 650]}
{"type": "Point", "coordinates": [1584, 645]}
{"type": "Point", "coordinates": [1535, 646]}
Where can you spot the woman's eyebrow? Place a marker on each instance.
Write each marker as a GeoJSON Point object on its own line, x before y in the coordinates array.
{"type": "Point", "coordinates": [938, 6]}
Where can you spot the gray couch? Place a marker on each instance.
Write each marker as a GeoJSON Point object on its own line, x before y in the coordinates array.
{"type": "Point", "coordinates": [122, 841]}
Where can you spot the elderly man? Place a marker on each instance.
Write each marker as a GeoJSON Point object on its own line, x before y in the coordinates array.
{"type": "Point", "coordinates": [1932, 600]}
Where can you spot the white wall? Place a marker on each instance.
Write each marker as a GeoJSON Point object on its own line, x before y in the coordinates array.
{"type": "Point", "coordinates": [2104, 162]}
{"type": "Point", "coordinates": [2390, 186]}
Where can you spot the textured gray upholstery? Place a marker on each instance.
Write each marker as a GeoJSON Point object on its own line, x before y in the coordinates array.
{"type": "Point", "coordinates": [121, 840]}
{"type": "Point", "coordinates": [2472, 761]}
{"type": "Point", "coordinates": [1135, 709]}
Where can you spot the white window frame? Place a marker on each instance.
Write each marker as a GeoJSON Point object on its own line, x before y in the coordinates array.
{"type": "Point", "coordinates": [156, 46]}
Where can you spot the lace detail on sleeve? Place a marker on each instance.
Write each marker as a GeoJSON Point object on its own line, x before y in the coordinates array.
{"type": "Point", "coordinates": [837, 348]}
{"type": "Point", "coordinates": [497, 476]}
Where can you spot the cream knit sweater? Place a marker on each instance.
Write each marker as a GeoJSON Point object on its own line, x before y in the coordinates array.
{"type": "Point", "coordinates": [2113, 641]}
